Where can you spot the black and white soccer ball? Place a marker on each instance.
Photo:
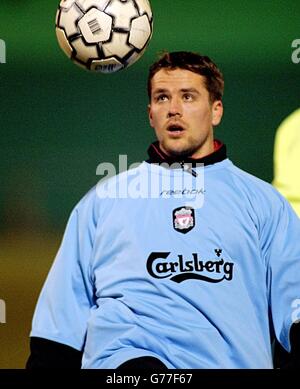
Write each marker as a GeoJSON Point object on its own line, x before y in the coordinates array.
{"type": "Point", "coordinates": [104, 35]}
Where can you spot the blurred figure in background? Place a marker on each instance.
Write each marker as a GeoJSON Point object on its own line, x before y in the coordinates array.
{"type": "Point", "coordinates": [287, 181]}
{"type": "Point", "coordinates": [287, 159]}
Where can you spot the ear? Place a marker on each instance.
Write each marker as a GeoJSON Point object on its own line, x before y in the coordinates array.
{"type": "Point", "coordinates": [217, 112]}
{"type": "Point", "coordinates": [150, 115]}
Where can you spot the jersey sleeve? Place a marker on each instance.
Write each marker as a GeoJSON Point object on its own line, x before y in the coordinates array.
{"type": "Point", "coordinates": [280, 240]}
{"type": "Point", "coordinates": [66, 298]}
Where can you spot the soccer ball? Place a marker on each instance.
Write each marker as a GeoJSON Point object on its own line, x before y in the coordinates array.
{"type": "Point", "coordinates": [104, 35]}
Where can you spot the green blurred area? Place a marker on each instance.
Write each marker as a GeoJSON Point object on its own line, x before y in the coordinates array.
{"type": "Point", "coordinates": [59, 122]}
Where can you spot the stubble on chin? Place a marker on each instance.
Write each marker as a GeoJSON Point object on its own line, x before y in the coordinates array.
{"type": "Point", "coordinates": [182, 151]}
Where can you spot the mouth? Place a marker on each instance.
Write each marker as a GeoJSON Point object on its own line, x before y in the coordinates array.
{"type": "Point", "coordinates": [175, 129]}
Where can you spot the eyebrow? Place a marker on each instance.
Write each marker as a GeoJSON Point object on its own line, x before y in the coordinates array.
{"type": "Point", "coordinates": [160, 90]}
{"type": "Point", "coordinates": [183, 90]}
{"type": "Point", "coordinates": [190, 90]}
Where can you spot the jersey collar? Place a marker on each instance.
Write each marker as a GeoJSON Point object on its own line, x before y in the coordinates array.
{"type": "Point", "coordinates": [158, 156]}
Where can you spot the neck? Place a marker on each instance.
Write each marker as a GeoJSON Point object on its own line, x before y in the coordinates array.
{"type": "Point", "coordinates": [157, 155]}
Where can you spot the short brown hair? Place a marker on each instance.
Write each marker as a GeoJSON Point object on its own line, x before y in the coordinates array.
{"type": "Point", "coordinates": [214, 81]}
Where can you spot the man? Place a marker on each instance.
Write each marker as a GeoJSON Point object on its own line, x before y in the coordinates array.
{"type": "Point", "coordinates": [163, 281]}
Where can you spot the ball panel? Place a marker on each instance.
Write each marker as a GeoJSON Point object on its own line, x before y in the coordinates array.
{"type": "Point", "coordinates": [82, 65]}
{"type": "Point", "coordinates": [144, 7]}
{"type": "Point", "coordinates": [134, 57]}
{"type": "Point", "coordinates": [66, 3]}
{"type": "Point", "coordinates": [109, 65]}
{"type": "Point", "coordinates": [57, 17]}
{"type": "Point", "coordinates": [140, 32]}
{"type": "Point", "coordinates": [68, 19]}
{"type": "Point", "coordinates": [95, 26]}
{"type": "Point", "coordinates": [118, 46]}
{"type": "Point", "coordinates": [84, 52]}
{"type": "Point", "coordinates": [86, 4]}
{"type": "Point", "coordinates": [122, 13]}
{"type": "Point", "coordinates": [63, 42]}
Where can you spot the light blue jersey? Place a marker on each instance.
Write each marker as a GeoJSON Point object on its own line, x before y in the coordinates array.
{"type": "Point", "coordinates": [202, 286]}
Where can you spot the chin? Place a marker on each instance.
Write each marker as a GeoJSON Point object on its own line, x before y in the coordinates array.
{"type": "Point", "coordinates": [179, 151]}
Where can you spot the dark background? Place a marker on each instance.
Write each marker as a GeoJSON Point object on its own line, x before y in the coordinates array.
{"type": "Point", "coordinates": [58, 122]}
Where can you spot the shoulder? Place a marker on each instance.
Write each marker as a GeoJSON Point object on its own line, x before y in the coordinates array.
{"type": "Point", "coordinates": [268, 209]}
{"type": "Point", "coordinates": [107, 188]}
{"type": "Point", "coordinates": [261, 194]}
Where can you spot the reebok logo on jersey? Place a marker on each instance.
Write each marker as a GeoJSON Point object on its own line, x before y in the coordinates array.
{"type": "Point", "coordinates": [159, 265]}
{"type": "Point", "coordinates": [183, 219]}
{"type": "Point", "coordinates": [182, 192]}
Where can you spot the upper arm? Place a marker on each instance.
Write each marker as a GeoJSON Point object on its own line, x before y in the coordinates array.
{"type": "Point", "coordinates": [281, 252]}
{"type": "Point", "coordinates": [65, 301]}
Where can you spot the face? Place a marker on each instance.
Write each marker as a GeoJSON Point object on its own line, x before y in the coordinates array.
{"type": "Point", "coordinates": [181, 113]}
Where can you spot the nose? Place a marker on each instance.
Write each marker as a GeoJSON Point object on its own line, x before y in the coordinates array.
{"type": "Point", "coordinates": [175, 108]}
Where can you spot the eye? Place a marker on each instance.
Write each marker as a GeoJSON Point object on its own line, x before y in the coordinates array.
{"type": "Point", "coordinates": [162, 97]}
{"type": "Point", "coordinates": [187, 97]}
